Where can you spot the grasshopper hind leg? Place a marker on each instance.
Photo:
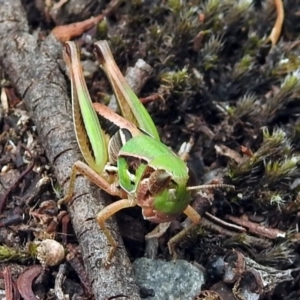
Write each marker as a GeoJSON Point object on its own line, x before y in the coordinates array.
{"type": "Point", "coordinates": [193, 215]}
{"type": "Point", "coordinates": [111, 188]}
{"type": "Point", "coordinates": [106, 213]}
{"type": "Point", "coordinates": [160, 229]}
{"type": "Point", "coordinates": [81, 168]}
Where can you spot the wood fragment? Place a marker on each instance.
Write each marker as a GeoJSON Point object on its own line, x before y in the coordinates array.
{"type": "Point", "coordinates": [151, 98]}
{"type": "Point", "coordinates": [225, 224]}
{"type": "Point", "coordinates": [8, 283]}
{"type": "Point", "coordinates": [271, 233]}
{"type": "Point", "coordinates": [76, 264]}
{"type": "Point", "coordinates": [226, 151]}
{"type": "Point", "coordinates": [246, 151]}
{"type": "Point", "coordinates": [251, 240]}
{"type": "Point", "coordinates": [65, 33]}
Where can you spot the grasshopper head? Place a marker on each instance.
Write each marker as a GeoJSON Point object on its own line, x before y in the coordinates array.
{"type": "Point", "coordinates": [164, 195]}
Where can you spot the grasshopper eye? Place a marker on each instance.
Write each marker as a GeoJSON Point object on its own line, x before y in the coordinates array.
{"type": "Point", "coordinates": [158, 181]}
{"type": "Point", "coordinates": [125, 135]}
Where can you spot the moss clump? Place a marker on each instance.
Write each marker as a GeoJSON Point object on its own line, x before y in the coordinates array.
{"type": "Point", "coordinates": [13, 254]}
{"type": "Point", "coordinates": [269, 172]}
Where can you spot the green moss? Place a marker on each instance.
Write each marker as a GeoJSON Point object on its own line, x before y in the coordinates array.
{"type": "Point", "coordinates": [252, 45]}
{"type": "Point", "coordinates": [244, 108]}
{"type": "Point", "coordinates": [243, 66]}
{"type": "Point", "coordinates": [175, 80]}
{"type": "Point", "coordinates": [13, 254]}
{"type": "Point", "coordinates": [268, 170]}
{"type": "Point", "coordinates": [175, 6]}
{"type": "Point", "coordinates": [286, 65]}
{"type": "Point", "coordinates": [102, 29]}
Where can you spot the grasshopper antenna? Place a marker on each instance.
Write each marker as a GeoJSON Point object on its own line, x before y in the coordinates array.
{"type": "Point", "coordinates": [210, 186]}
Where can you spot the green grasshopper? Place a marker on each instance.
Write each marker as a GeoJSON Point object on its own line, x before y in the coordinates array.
{"type": "Point", "coordinates": [124, 156]}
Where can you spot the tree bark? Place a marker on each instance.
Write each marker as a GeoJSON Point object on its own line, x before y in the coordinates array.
{"type": "Point", "coordinates": [35, 68]}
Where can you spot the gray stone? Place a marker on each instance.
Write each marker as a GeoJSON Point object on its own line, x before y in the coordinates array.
{"type": "Point", "coordinates": [174, 280]}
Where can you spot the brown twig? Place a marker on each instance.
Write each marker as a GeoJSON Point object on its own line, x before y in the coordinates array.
{"type": "Point", "coordinates": [246, 238]}
{"type": "Point", "coordinates": [226, 224]}
{"type": "Point", "coordinates": [78, 267]}
{"type": "Point", "coordinates": [8, 283]}
{"type": "Point", "coordinates": [260, 230]}
{"type": "Point", "coordinates": [151, 98]}
{"type": "Point", "coordinates": [65, 33]}
{"type": "Point", "coordinates": [226, 151]}
{"type": "Point", "coordinates": [65, 220]}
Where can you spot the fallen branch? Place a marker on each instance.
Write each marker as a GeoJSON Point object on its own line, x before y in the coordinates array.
{"type": "Point", "coordinates": [271, 233]}
{"type": "Point", "coordinates": [33, 67]}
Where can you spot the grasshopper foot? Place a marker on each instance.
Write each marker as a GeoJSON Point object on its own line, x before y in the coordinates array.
{"type": "Point", "coordinates": [64, 200]}
{"type": "Point", "coordinates": [171, 247]}
{"type": "Point", "coordinates": [111, 253]}
{"type": "Point", "coordinates": [177, 238]}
